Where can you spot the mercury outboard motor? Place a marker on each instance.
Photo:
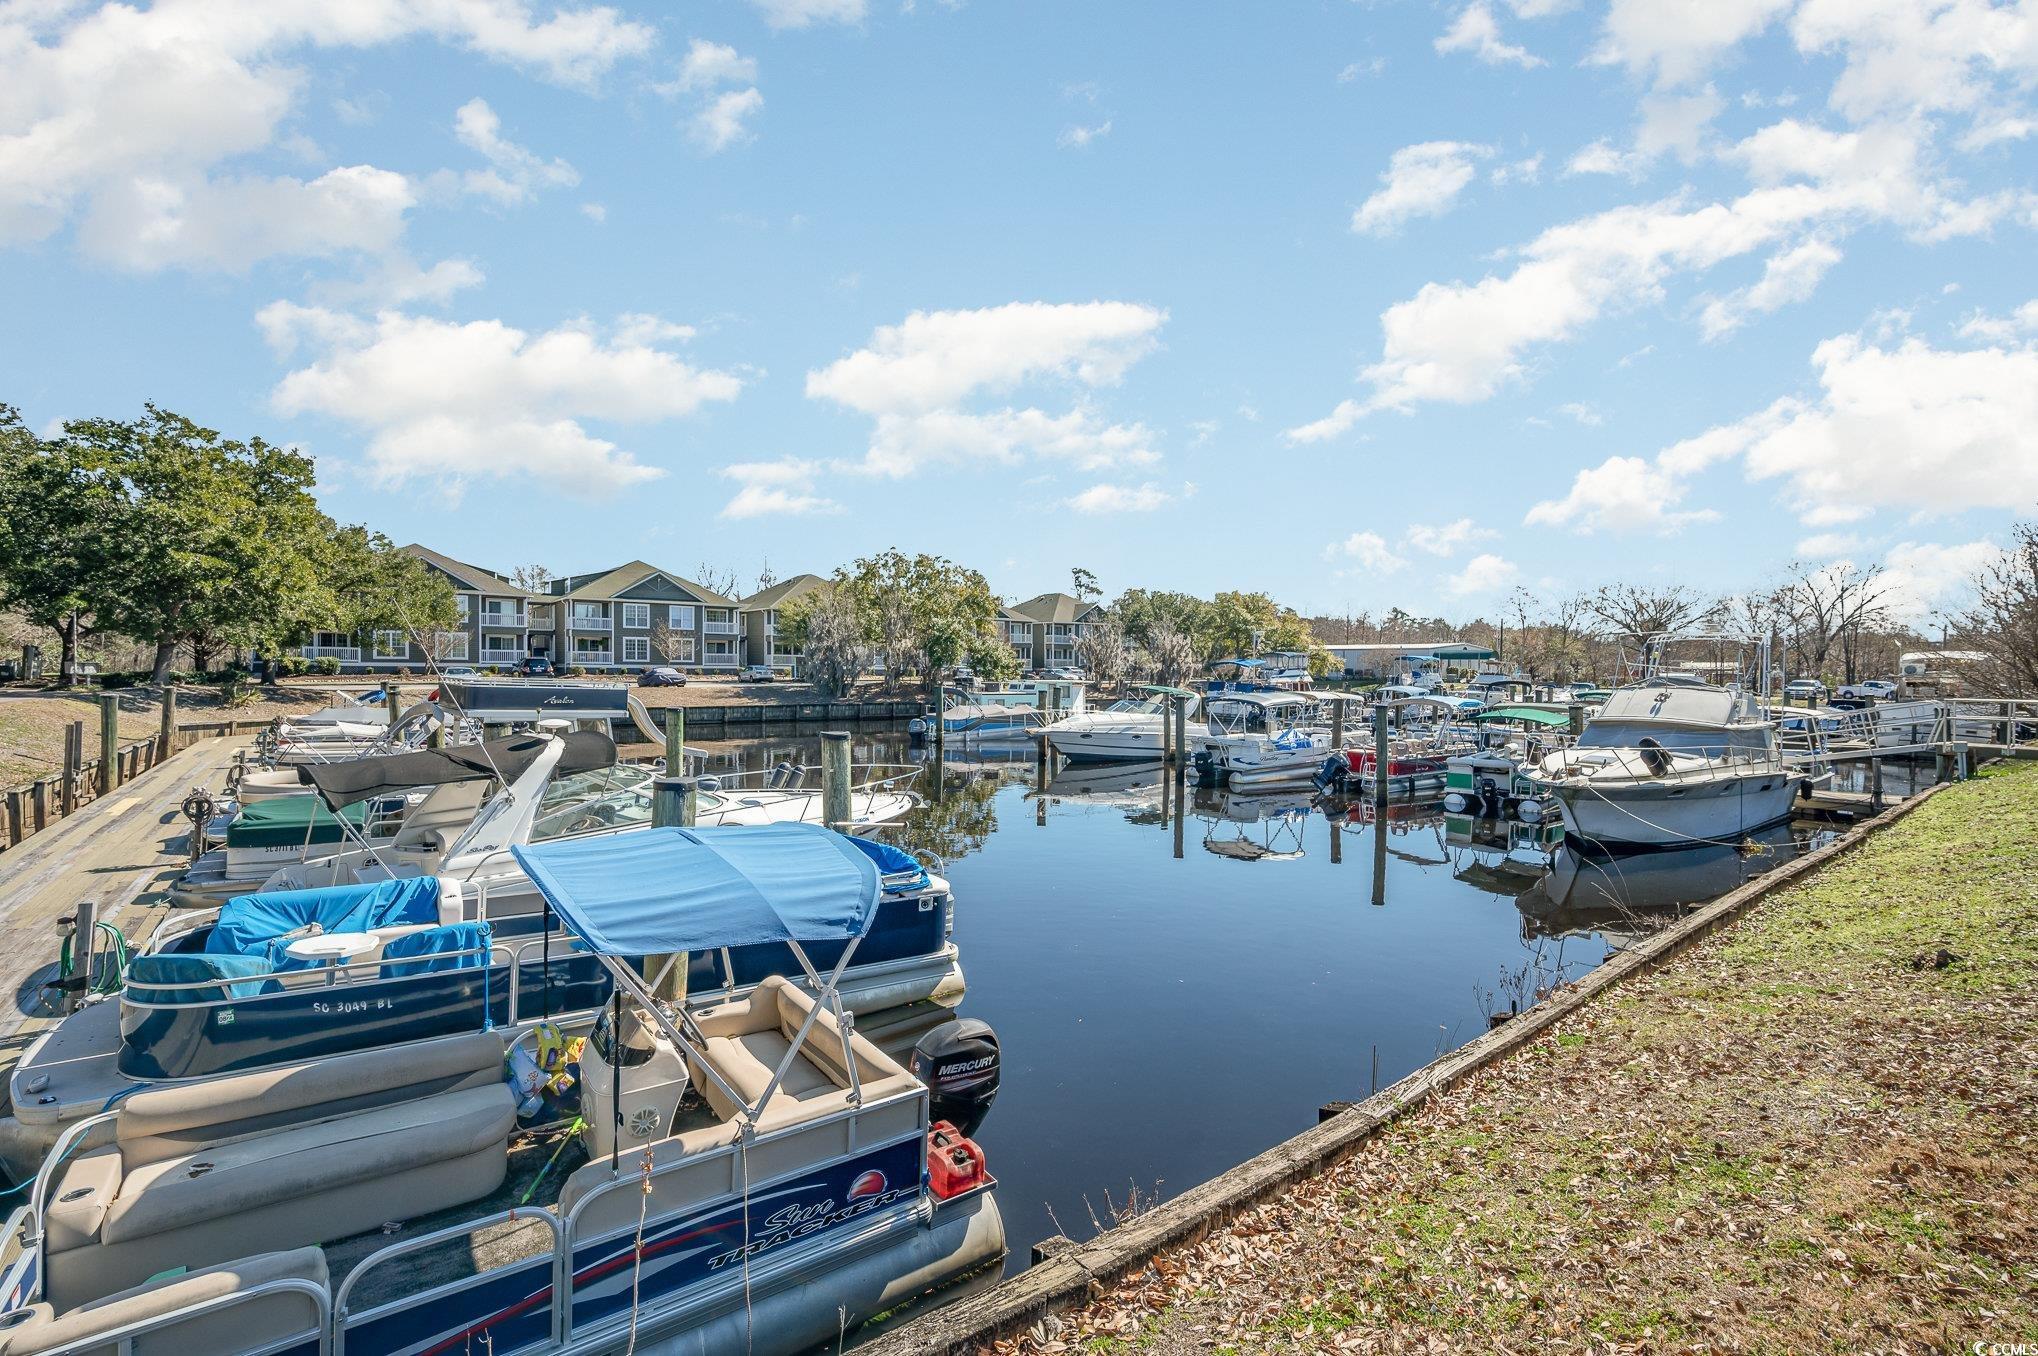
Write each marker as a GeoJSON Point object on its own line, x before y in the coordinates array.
{"type": "Point", "coordinates": [958, 1061]}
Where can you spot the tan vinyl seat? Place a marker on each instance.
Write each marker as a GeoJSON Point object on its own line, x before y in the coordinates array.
{"type": "Point", "coordinates": [238, 1327]}
{"type": "Point", "coordinates": [203, 1172]}
{"type": "Point", "coordinates": [747, 1040]}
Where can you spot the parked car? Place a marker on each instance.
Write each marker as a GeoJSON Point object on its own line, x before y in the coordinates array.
{"type": "Point", "coordinates": [1805, 691]}
{"type": "Point", "coordinates": [536, 666]}
{"type": "Point", "coordinates": [1872, 689]}
{"type": "Point", "coordinates": [759, 673]}
{"type": "Point", "coordinates": [1066, 675]}
{"type": "Point", "coordinates": [661, 675]}
{"type": "Point", "coordinates": [459, 671]}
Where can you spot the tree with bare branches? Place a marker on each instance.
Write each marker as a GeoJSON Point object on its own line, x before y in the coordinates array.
{"type": "Point", "coordinates": [2003, 622]}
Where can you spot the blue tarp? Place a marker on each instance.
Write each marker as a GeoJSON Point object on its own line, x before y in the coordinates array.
{"type": "Point", "coordinates": [170, 977]}
{"type": "Point", "coordinates": [437, 950]}
{"type": "Point", "coordinates": [901, 870]}
{"type": "Point", "coordinates": [658, 890]}
{"type": "Point", "coordinates": [249, 923]}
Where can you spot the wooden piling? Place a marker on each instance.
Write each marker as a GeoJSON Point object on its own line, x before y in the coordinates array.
{"type": "Point", "coordinates": [1875, 785]}
{"type": "Point", "coordinates": [835, 804]}
{"type": "Point", "coordinates": [1380, 767]}
{"type": "Point", "coordinates": [168, 729]}
{"type": "Point", "coordinates": [675, 741]}
{"type": "Point", "coordinates": [17, 828]}
{"type": "Point", "coordinates": [74, 758]}
{"type": "Point", "coordinates": [109, 742]}
{"type": "Point", "coordinates": [392, 699]}
{"type": "Point", "coordinates": [1181, 722]}
{"type": "Point", "coordinates": [675, 801]}
{"type": "Point", "coordinates": [1337, 722]}
{"type": "Point", "coordinates": [38, 805]}
{"type": "Point", "coordinates": [1574, 716]}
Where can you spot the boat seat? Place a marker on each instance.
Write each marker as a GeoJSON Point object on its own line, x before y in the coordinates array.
{"type": "Point", "coordinates": [238, 1327]}
{"type": "Point", "coordinates": [199, 1173]}
{"type": "Point", "coordinates": [747, 1039]}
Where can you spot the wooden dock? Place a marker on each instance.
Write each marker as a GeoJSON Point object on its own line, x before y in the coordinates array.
{"type": "Point", "coordinates": [118, 851]}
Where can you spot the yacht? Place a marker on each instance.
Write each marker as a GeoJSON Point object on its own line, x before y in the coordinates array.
{"type": "Point", "coordinates": [753, 1176]}
{"type": "Point", "coordinates": [1134, 730]}
{"type": "Point", "coordinates": [1671, 761]}
{"type": "Point", "coordinates": [1014, 710]}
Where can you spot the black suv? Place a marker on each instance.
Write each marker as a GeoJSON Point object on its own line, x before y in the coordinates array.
{"type": "Point", "coordinates": [537, 666]}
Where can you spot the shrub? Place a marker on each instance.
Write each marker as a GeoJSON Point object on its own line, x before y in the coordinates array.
{"type": "Point", "coordinates": [119, 679]}
{"type": "Point", "coordinates": [325, 666]}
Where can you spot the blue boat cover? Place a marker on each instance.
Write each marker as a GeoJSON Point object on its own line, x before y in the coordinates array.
{"type": "Point", "coordinates": [902, 872]}
{"type": "Point", "coordinates": [249, 923]}
{"type": "Point", "coordinates": [668, 889]}
{"type": "Point", "coordinates": [437, 950]}
{"type": "Point", "coordinates": [172, 977]}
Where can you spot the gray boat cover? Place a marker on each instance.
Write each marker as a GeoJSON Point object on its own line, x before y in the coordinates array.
{"type": "Point", "coordinates": [341, 784]}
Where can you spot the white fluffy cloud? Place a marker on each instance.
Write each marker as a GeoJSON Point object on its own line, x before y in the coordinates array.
{"type": "Point", "coordinates": [721, 83]}
{"type": "Point", "coordinates": [454, 402]}
{"type": "Point", "coordinates": [802, 13]}
{"type": "Point", "coordinates": [1922, 575]}
{"type": "Point", "coordinates": [776, 489]}
{"type": "Point", "coordinates": [1369, 549]}
{"type": "Point", "coordinates": [1481, 574]}
{"type": "Point", "coordinates": [129, 115]}
{"type": "Point", "coordinates": [1461, 342]}
{"type": "Point", "coordinates": [513, 173]}
{"type": "Point", "coordinates": [711, 65]}
{"type": "Point", "coordinates": [1906, 57]}
{"type": "Point", "coordinates": [917, 379]}
{"type": "Point", "coordinates": [1109, 498]}
{"type": "Point", "coordinates": [1475, 30]}
{"type": "Point", "coordinates": [1789, 276]}
{"type": "Point", "coordinates": [1077, 137]}
{"type": "Point", "coordinates": [1909, 427]}
{"type": "Point", "coordinates": [1422, 180]}
{"type": "Point", "coordinates": [1675, 42]}
{"type": "Point", "coordinates": [1447, 539]}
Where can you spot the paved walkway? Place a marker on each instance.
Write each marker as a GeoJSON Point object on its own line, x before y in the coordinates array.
{"type": "Point", "coordinates": [118, 851]}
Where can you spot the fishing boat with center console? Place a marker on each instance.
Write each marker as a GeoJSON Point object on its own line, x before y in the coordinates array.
{"type": "Point", "coordinates": [753, 1177]}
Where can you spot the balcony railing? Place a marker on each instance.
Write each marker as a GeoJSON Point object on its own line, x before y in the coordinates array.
{"type": "Point", "coordinates": [720, 628]}
{"type": "Point", "coordinates": [580, 623]}
{"type": "Point", "coordinates": [593, 657]}
{"type": "Point", "coordinates": [346, 654]}
{"type": "Point", "coordinates": [514, 621]}
{"type": "Point", "coordinates": [497, 654]}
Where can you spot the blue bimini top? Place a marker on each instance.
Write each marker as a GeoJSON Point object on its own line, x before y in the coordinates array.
{"type": "Point", "coordinates": [668, 889]}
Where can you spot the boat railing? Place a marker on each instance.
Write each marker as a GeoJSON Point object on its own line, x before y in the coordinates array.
{"type": "Point", "coordinates": [553, 1260]}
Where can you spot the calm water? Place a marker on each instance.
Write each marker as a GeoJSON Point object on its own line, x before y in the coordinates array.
{"type": "Point", "coordinates": [1176, 989]}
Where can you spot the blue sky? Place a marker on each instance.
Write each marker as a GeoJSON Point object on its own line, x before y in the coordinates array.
{"type": "Point", "coordinates": [1360, 303]}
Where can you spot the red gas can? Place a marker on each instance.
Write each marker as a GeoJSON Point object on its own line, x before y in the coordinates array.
{"type": "Point", "coordinates": [954, 1162]}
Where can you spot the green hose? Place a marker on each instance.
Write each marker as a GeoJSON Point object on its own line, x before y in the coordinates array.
{"type": "Point", "coordinates": [109, 980]}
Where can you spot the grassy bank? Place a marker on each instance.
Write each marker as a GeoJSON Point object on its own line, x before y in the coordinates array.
{"type": "Point", "coordinates": [1812, 1132]}
{"type": "Point", "coordinates": [32, 727]}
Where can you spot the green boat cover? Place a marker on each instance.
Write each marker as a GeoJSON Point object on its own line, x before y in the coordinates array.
{"type": "Point", "coordinates": [1527, 715]}
{"type": "Point", "coordinates": [290, 821]}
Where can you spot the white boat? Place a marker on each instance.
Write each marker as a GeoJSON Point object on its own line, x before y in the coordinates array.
{"type": "Point", "coordinates": [1014, 710]}
{"type": "Point", "coordinates": [756, 1177]}
{"type": "Point", "coordinates": [1672, 761]}
{"type": "Point", "coordinates": [1262, 739]}
{"type": "Point", "coordinates": [1134, 730]}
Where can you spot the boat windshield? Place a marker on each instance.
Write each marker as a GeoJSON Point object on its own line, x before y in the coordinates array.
{"type": "Point", "coordinates": [1602, 734]}
{"type": "Point", "coordinates": [1136, 705]}
{"type": "Point", "coordinates": [591, 802]}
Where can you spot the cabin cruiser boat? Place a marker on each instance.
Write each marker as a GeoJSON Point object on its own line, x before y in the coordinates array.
{"type": "Point", "coordinates": [751, 1176]}
{"type": "Point", "coordinates": [1134, 730]}
{"type": "Point", "coordinates": [1261, 739]}
{"type": "Point", "coordinates": [1672, 761]}
{"type": "Point", "coordinates": [1014, 710]}
{"type": "Point", "coordinates": [217, 989]}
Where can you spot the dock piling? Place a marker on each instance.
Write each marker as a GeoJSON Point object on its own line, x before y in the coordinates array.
{"type": "Point", "coordinates": [675, 741]}
{"type": "Point", "coordinates": [1380, 766]}
{"type": "Point", "coordinates": [1574, 716]}
{"type": "Point", "coordinates": [835, 778]}
{"type": "Point", "coordinates": [169, 726]}
{"type": "Point", "coordinates": [392, 699]}
{"type": "Point", "coordinates": [1875, 785]}
{"type": "Point", "coordinates": [675, 801]}
{"type": "Point", "coordinates": [109, 742]}
{"type": "Point", "coordinates": [74, 759]}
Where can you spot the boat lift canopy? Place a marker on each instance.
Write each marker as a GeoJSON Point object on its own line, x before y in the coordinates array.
{"type": "Point", "coordinates": [342, 784]}
{"type": "Point", "coordinates": [1527, 715]}
{"type": "Point", "coordinates": [667, 891]}
{"type": "Point", "coordinates": [661, 890]}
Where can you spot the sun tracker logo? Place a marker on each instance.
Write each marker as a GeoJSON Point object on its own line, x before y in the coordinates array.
{"type": "Point", "coordinates": [872, 1183]}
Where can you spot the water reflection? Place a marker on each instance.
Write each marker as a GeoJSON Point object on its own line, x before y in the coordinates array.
{"type": "Point", "coordinates": [1131, 975]}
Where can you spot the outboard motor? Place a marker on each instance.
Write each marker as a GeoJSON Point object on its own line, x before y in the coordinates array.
{"type": "Point", "coordinates": [958, 1061]}
{"type": "Point", "coordinates": [1331, 776]}
{"type": "Point", "coordinates": [652, 1077]}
